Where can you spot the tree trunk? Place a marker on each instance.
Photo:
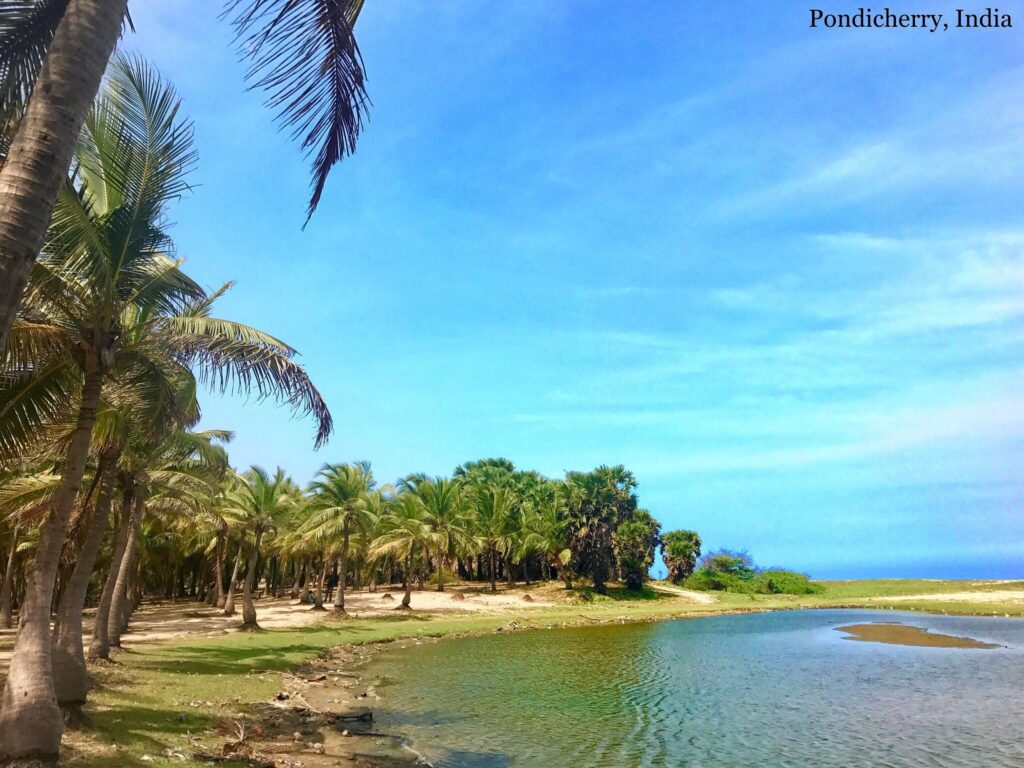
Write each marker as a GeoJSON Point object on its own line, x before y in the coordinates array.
{"type": "Point", "coordinates": [36, 167]}
{"type": "Point", "coordinates": [7, 591]}
{"type": "Point", "coordinates": [30, 720]}
{"type": "Point", "coordinates": [69, 674]}
{"type": "Point", "coordinates": [440, 570]}
{"type": "Point", "coordinates": [494, 570]}
{"type": "Point", "coordinates": [248, 609]}
{"type": "Point", "coordinates": [229, 601]}
{"type": "Point", "coordinates": [99, 648]}
{"type": "Point", "coordinates": [406, 604]}
{"type": "Point", "coordinates": [339, 599]}
{"type": "Point", "coordinates": [318, 598]}
{"type": "Point", "coordinates": [119, 600]}
{"type": "Point", "coordinates": [300, 576]}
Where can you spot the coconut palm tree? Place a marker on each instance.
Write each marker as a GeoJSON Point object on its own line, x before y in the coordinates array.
{"type": "Point", "coordinates": [495, 508]}
{"type": "Point", "coordinates": [407, 536]}
{"type": "Point", "coordinates": [446, 514]}
{"type": "Point", "coordinates": [175, 474]}
{"type": "Point", "coordinates": [53, 53]}
{"type": "Point", "coordinates": [261, 502]}
{"type": "Point", "coordinates": [57, 49]}
{"type": "Point", "coordinates": [339, 503]}
{"type": "Point", "coordinates": [544, 533]}
{"type": "Point", "coordinates": [107, 303]}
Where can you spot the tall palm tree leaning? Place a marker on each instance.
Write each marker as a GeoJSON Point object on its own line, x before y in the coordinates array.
{"type": "Point", "coordinates": [339, 504]}
{"type": "Point", "coordinates": [53, 53]}
{"type": "Point", "coordinates": [107, 303]}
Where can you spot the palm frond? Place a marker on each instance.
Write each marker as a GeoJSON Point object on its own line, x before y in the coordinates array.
{"type": "Point", "coordinates": [231, 357]}
{"type": "Point", "coordinates": [304, 54]}
{"type": "Point", "coordinates": [29, 402]}
{"type": "Point", "coordinates": [26, 29]}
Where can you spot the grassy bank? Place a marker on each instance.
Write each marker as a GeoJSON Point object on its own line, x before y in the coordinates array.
{"type": "Point", "coordinates": [170, 695]}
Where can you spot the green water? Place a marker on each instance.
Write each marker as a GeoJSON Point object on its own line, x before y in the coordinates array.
{"type": "Point", "coordinates": [777, 689]}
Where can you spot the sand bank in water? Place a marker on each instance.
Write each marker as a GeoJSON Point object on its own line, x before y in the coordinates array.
{"type": "Point", "coordinates": [902, 634]}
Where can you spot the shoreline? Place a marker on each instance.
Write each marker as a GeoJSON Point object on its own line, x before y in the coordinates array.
{"type": "Point", "coordinates": [175, 692]}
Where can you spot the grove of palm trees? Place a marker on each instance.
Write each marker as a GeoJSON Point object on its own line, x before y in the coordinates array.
{"type": "Point", "coordinates": [171, 594]}
{"type": "Point", "coordinates": [110, 494]}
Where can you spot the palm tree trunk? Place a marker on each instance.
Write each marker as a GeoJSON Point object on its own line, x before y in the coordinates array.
{"type": "Point", "coordinates": [100, 646]}
{"type": "Point", "coordinates": [339, 599]}
{"type": "Point", "coordinates": [494, 570]}
{"type": "Point", "coordinates": [406, 604]}
{"type": "Point", "coordinates": [318, 599]}
{"type": "Point", "coordinates": [248, 609]}
{"type": "Point", "coordinates": [300, 575]}
{"type": "Point", "coordinates": [30, 720]}
{"type": "Point", "coordinates": [69, 674]}
{"type": "Point", "coordinates": [7, 591]}
{"type": "Point", "coordinates": [37, 164]}
{"type": "Point", "coordinates": [229, 601]}
{"type": "Point", "coordinates": [440, 570]}
{"type": "Point", "coordinates": [119, 596]}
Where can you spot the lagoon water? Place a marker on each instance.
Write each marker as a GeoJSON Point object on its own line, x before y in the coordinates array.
{"type": "Point", "coordinates": [758, 690]}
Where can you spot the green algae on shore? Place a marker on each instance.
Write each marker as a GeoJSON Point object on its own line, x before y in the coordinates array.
{"type": "Point", "coordinates": [893, 633]}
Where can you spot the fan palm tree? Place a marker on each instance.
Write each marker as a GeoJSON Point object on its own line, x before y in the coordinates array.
{"type": "Point", "coordinates": [53, 53]}
{"type": "Point", "coordinates": [106, 303]}
{"type": "Point", "coordinates": [261, 502]}
{"type": "Point", "coordinates": [338, 504]}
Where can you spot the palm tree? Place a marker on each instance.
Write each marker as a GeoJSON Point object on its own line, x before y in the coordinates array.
{"type": "Point", "coordinates": [495, 507]}
{"type": "Point", "coordinates": [339, 503]}
{"type": "Point", "coordinates": [406, 537]}
{"type": "Point", "coordinates": [445, 513]}
{"type": "Point", "coordinates": [178, 473]}
{"type": "Point", "coordinates": [543, 533]}
{"type": "Point", "coordinates": [52, 57]}
{"type": "Point", "coordinates": [106, 303]}
{"type": "Point", "coordinates": [261, 502]}
{"type": "Point", "coordinates": [58, 50]}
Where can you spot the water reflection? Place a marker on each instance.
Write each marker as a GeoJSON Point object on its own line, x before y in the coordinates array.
{"type": "Point", "coordinates": [781, 689]}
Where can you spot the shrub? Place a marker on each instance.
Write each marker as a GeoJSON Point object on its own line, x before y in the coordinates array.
{"type": "Point", "coordinates": [734, 571]}
{"type": "Point", "coordinates": [778, 582]}
{"type": "Point", "coordinates": [729, 562]}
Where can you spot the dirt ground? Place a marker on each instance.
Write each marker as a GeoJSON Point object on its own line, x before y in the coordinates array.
{"type": "Point", "coordinates": [988, 596]}
{"type": "Point", "coordinates": [164, 620]}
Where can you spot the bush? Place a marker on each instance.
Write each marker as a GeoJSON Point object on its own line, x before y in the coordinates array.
{"type": "Point", "coordinates": [778, 582]}
{"type": "Point", "coordinates": [729, 562]}
{"type": "Point", "coordinates": [726, 571]}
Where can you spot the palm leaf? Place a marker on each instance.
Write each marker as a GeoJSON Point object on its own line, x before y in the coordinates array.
{"type": "Point", "coordinates": [26, 29]}
{"type": "Point", "coordinates": [303, 53]}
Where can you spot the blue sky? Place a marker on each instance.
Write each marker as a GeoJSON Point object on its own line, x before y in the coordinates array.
{"type": "Point", "coordinates": [777, 272]}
